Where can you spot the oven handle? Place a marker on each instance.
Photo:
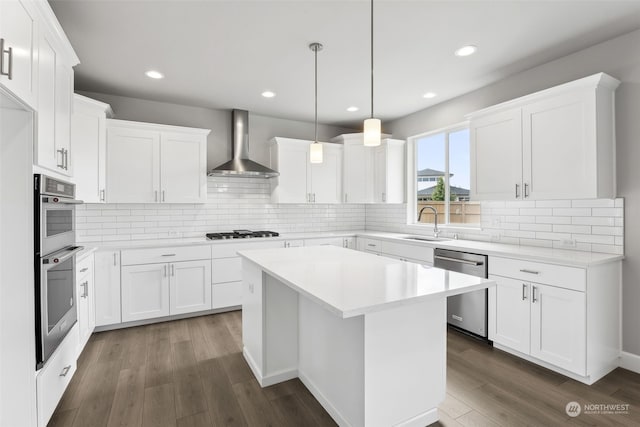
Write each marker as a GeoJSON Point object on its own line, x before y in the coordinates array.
{"type": "Point", "coordinates": [461, 261]}
{"type": "Point", "coordinates": [62, 200]}
{"type": "Point", "coordinates": [61, 256]}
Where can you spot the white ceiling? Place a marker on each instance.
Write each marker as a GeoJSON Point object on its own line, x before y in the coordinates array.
{"type": "Point", "coordinates": [224, 54]}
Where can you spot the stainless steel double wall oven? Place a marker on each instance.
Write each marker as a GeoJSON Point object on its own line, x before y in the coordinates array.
{"type": "Point", "coordinates": [54, 263]}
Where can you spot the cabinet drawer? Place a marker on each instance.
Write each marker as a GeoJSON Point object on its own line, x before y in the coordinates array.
{"type": "Point", "coordinates": [168, 254]}
{"type": "Point", "coordinates": [50, 382]}
{"type": "Point", "coordinates": [369, 245]}
{"type": "Point", "coordinates": [550, 274]}
{"type": "Point", "coordinates": [405, 251]}
{"type": "Point", "coordinates": [84, 268]}
{"type": "Point", "coordinates": [229, 250]}
{"type": "Point", "coordinates": [226, 294]}
{"type": "Point", "coordinates": [226, 270]}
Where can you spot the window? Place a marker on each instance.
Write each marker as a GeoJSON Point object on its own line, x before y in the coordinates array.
{"type": "Point", "coordinates": [442, 178]}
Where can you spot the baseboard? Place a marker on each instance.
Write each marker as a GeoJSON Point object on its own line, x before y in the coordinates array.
{"type": "Point", "coordinates": [326, 404]}
{"type": "Point", "coordinates": [630, 361]}
{"type": "Point", "coordinates": [424, 419]}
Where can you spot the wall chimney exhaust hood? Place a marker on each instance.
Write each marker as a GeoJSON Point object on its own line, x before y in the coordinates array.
{"type": "Point", "coordinates": [240, 165]}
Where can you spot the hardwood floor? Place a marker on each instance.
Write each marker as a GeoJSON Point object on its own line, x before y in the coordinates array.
{"type": "Point", "coordinates": [191, 373]}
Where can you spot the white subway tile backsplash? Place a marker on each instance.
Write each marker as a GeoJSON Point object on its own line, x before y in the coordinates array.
{"type": "Point", "coordinates": [561, 228]}
{"type": "Point", "coordinates": [609, 231]}
{"type": "Point", "coordinates": [553, 203]}
{"type": "Point", "coordinates": [593, 220]}
{"type": "Point", "coordinates": [616, 212]}
{"type": "Point", "coordinates": [571, 212]}
{"type": "Point", "coordinates": [593, 203]}
{"type": "Point", "coordinates": [536, 211]}
{"type": "Point", "coordinates": [553, 220]}
{"type": "Point", "coordinates": [594, 238]}
{"type": "Point", "coordinates": [536, 227]}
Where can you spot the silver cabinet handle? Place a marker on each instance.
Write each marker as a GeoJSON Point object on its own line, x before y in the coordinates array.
{"type": "Point", "coordinates": [9, 72]}
{"type": "Point", "coordinates": [372, 245]}
{"type": "Point", "coordinates": [163, 195]}
{"type": "Point", "coordinates": [460, 261]}
{"type": "Point", "coordinates": [82, 270]}
{"type": "Point", "coordinates": [65, 371]}
{"type": "Point", "coordinates": [314, 197]}
{"type": "Point", "coordinates": [155, 196]}
{"type": "Point", "coordinates": [526, 190]}
{"type": "Point", "coordinates": [164, 270]}
{"type": "Point", "coordinates": [524, 270]}
{"type": "Point", "coordinates": [168, 255]}
{"type": "Point", "coordinates": [173, 269]}
{"type": "Point", "coordinates": [346, 198]}
{"type": "Point", "coordinates": [533, 294]}
{"type": "Point", "coordinates": [66, 159]}
{"type": "Point", "coordinates": [115, 259]}
{"type": "Point", "coordinates": [102, 195]}
{"type": "Point", "coordinates": [85, 285]}
{"type": "Point", "coordinates": [61, 164]}
{"type": "Point", "coordinates": [517, 190]}
{"type": "Point", "coordinates": [344, 243]}
{"type": "Point", "coordinates": [384, 197]}
{"type": "Point", "coordinates": [524, 291]}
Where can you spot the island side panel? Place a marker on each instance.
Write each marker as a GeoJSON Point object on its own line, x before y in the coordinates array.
{"type": "Point", "coordinates": [405, 364]}
{"type": "Point", "coordinates": [331, 361]}
{"type": "Point", "coordinates": [280, 316]}
{"type": "Point", "coordinates": [252, 337]}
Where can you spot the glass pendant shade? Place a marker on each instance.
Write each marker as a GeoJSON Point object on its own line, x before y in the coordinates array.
{"type": "Point", "coordinates": [315, 152]}
{"type": "Point", "coordinates": [372, 132]}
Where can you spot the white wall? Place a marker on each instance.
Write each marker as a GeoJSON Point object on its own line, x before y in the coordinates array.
{"type": "Point", "coordinates": [261, 128]}
{"type": "Point", "coordinates": [619, 57]}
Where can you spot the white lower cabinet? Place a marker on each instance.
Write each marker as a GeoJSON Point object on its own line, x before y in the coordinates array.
{"type": "Point", "coordinates": [145, 291]}
{"type": "Point", "coordinates": [86, 300]}
{"type": "Point", "coordinates": [189, 286]}
{"type": "Point", "coordinates": [107, 288]}
{"type": "Point", "coordinates": [564, 318]}
{"type": "Point", "coordinates": [416, 253]}
{"type": "Point", "coordinates": [52, 380]}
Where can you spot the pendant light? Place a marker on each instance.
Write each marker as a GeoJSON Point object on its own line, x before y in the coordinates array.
{"type": "Point", "coordinates": [315, 149]}
{"type": "Point", "coordinates": [372, 126]}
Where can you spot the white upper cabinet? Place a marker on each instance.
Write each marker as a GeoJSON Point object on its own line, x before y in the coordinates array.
{"type": "Point", "coordinates": [357, 169]}
{"type": "Point", "coordinates": [301, 181]}
{"type": "Point", "coordinates": [18, 40]}
{"type": "Point", "coordinates": [149, 163]}
{"type": "Point", "coordinates": [55, 61]}
{"type": "Point", "coordinates": [555, 144]}
{"type": "Point", "coordinates": [389, 172]}
{"type": "Point", "coordinates": [89, 141]}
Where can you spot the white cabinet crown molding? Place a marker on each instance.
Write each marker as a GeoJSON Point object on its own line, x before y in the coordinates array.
{"type": "Point", "coordinates": [594, 81]}
{"type": "Point", "coordinates": [49, 18]}
{"type": "Point", "coordinates": [156, 127]}
{"type": "Point", "coordinates": [85, 103]}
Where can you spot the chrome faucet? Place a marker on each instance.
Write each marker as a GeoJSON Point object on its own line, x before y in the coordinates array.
{"type": "Point", "coordinates": [436, 232]}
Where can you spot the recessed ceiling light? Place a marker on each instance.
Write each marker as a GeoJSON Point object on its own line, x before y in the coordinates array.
{"type": "Point", "coordinates": [352, 109]}
{"type": "Point", "coordinates": [154, 74]}
{"type": "Point", "coordinates": [466, 50]}
{"type": "Point", "coordinates": [268, 94]}
{"type": "Point", "coordinates": [429, 95]}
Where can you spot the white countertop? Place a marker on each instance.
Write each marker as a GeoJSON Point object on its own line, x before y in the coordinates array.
{"type": "Point", "coordinates": [530, 253]}
{"type": "Point", "coordinates": [351, 283]}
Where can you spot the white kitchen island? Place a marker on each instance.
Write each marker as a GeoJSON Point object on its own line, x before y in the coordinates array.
{"type": "Point", "coordinates": [365, 334]}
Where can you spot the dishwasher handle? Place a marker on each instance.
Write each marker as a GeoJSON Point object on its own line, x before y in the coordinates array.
{"type": "Point", "coordinates": [460, 261]}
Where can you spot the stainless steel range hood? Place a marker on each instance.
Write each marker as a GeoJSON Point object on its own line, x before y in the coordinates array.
{"type": "Point", "coordinates": [240, 165]}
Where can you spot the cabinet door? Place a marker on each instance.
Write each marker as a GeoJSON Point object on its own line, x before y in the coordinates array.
{"type": "Point", "coordinates": [326, 177]}
{"type": "Point", "coordinates": [380, 174]}
{"type": "Point", "coordinates": [107, 287]}
{"type": "Point", "coordinates": [498, 136]}
{"type": "Point", "coordinates": [558, 327]}
{"type": "Point", "coordinates": [292, 161]}
{"type": "Point", "coordinates": [88, 134]}
{"type": "Point", "coordinates": [509, 310]}
{"type": "Point", "coordinates": [357, 176]}
{"type": "Point", "coordinates": [395, 165]}
{"type": "Point", "coordinates": [183, 166]}
{"type": "Point", "coordinates": [145, 291]}
{"type": "Point", "coordinates": [349, 242]}
{"type": "Point", "coordinates": [559, 143]}
{"type": "Point", "coordinates": [17, 29]}
{"type": "Point", "coordinates": [46, 153]}
{"type": "Point", "coordinates": [133, 166]}
{"type": "Point", "coordinates": [190, 288]}
{"type": "Point", "coordinates": [63, 108]}
{"type": "Point", "coordinates": [86, 308]}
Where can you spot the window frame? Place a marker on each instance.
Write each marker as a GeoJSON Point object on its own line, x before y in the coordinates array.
{"type": "Point", "coordinates": [412, 178]}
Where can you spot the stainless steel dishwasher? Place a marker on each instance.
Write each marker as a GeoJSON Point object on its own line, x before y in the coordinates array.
{"type": "Point", "coordinates": [467, 312]}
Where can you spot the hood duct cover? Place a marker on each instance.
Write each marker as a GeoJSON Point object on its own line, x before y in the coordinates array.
{"type": "Point", "coordinates": [240, 165]}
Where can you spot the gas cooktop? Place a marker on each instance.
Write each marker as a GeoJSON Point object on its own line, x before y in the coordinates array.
{"type": "Point", "coordinates": [240, 234]}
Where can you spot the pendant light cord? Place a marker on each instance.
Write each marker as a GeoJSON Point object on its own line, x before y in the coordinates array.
{"type": "Point", "coordinates": [316, 92]}
{"type": "Point", "coordinates": [372, 59]}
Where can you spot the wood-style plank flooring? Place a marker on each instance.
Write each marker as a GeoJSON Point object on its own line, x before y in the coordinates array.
{"type": "Point", "coordinates": [191, 373]}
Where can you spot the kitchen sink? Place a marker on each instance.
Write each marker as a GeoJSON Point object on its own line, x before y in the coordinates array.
{"type": "Point", "coordinates": [425, 238]}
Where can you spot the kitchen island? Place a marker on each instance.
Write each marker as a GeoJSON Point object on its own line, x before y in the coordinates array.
{"type": "Point", "coordinates": [365, 334]}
